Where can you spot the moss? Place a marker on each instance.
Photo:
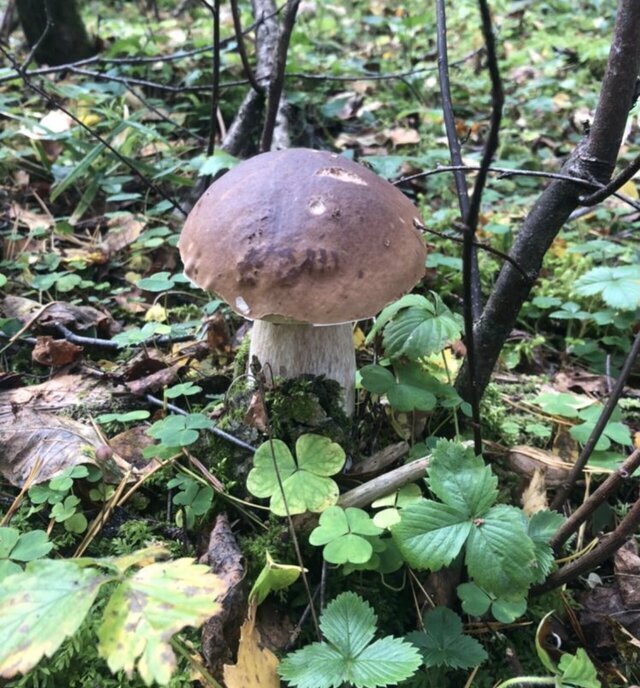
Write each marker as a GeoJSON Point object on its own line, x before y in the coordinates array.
{"type": "Point", "coordinates": [308, 404]}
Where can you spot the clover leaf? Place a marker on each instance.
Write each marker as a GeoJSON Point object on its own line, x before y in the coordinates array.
{"type": "Point", "coordinates": [477, 602]}
{"type": "Point", "coordinates": [179, 431]}
{"type": "Point", "coordinates": [305, 479]}
{"type": "Point", "coordinates": [348, 655]}
{"type": "Point", "coordinates": [15, 547]}
{"type": "Point", "coordinates": [343, 533]}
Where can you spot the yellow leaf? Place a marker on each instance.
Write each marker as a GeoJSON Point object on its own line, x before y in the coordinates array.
{"type": "Point", "coordinates": [358, 339]}
{"type": "Point", "coordinates": [630, 189]}
{"type": "Point", "coordinates": [257, 666]}
{"type": "Point", "coordinates": [534, 498]}
{"type": "Point", "coordinates": [156, 313]}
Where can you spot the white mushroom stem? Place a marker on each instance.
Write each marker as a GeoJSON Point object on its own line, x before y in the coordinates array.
{"type": "Point", "coordinates": [293, 350]}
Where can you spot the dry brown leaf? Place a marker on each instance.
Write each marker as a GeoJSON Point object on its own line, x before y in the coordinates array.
{"type": "Point", "coordinates": [123, 231]}
{"type": "Point", "coordinates": [62, 393]}
{"type": "Point", "coordinates": [55, 352]}
{"type": "Point", "coordinates": [51, 443]}
{"type": "Point", "coordinates": [534, 497]}
{"type": "Point", "coordinates": [257, 666]}
{"type": "Point", "coordinates": [256, 415]}
{"type": "Point", "coordinates": [402, 136]}
{"type": "Point", "coordinates": [59, 313]}
{"type": "Point", "coordinates": [218, 336]}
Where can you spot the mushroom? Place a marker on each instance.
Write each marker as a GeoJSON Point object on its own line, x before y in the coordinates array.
{"type": "Point", "coordinates": [304, 242]}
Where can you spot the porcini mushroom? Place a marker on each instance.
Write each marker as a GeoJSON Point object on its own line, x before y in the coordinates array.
{"type": "Point", "coordinates": [304, 242]}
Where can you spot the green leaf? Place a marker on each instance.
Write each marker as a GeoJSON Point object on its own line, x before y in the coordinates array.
{"type": "Point", "coordinates": [461, 479]}
{"type": "Point", "coordinates": [508, 610]}
{"type": "Point", "coordinates": [349, 657]}
{"type": "Point", "coordinates": [343, 532]}
{"type": "Point", "coordinates": [475, 601]}
{"type": "Point", "coordinates": [273, 577]}
{"type": "Point", "coordinates": [561, 403]}
{"type": "Point", "coordinates": [40, 607]}
{"type": "Point", "coordinates": [147, 609]}
{"type": "Point", "coordinates": [443, 643]}
{"type": "Point", "coordinates": [500, 555]}
{"type": "Point", "coordinates": [578, 670]}
{"type": "Point", "coordinates": [377, 379]}
{"type": "Point", "coordinates": [619, 286]}
{"type": "Point", "coordinates": [123, 417]}
{"type": "Point", "coordinates": [421, 330]}
{"type": "Point", "coordinates": [178, 430]}
{"type": "Point", "coordinates": [430, 535]}
{"type": "Point", "coordinates": [412, 391]}
{"type": "Point", "coordinates": [31, 545]}
{"type": "Point", "coordinates": [542, 527]}
{"type": "Point", "coordinates": [8, 539]}
{"type": "Point", "coordinates": [306, 484]}
{"type": "Point", "coordinates": [215, 163]}
{"type": "Point", "coordinates": [160, 281]}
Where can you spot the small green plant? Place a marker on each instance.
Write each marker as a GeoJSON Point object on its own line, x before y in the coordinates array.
{"type": "Point", "coordinates": [305, 480]}
{"type": "Point", "coordinates": [588, 412]}
{"type": "Point", "coordinates": [16, 547]}
{"type": "Point", "coordinates": [413, 328]}
{"type": "Point", "coordinates": [192, 498]}
{"type": "Point", "coordinates": [347, 654]}
{"type": "Point", "coordinates": [618, 287]}
{"type": "Point", "coordinates": [501, 556]}
{"type": "Point", "coordinates": [178, 430]}
{"type": "Point", "coordinates": [345, 534]}
{"type": "Point", "coordinates": [443, 644]}
{"type": "Point", "coordinates": [57, 493]}
{"type": "Point", "coordinates": [46, 603]}
{"type": "Point", "coordinates": [390, 505]}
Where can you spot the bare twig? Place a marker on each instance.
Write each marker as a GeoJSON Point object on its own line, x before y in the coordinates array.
{"type": "Point", "coordinates": [274, 91]}
{"type": "Point", "coordinates": [478, 244]}
{"type": "Point", "coordinates": [590, 444]}
{"type": "Point", "coordinates": [242, 51]}
{"type": "Point", "coordinates": [48, 26]}
{"type": "Point", "coordinates": [617, 182]}
{"type": "Point", "coordinates": [607, 546]}
{"type": "Point", "coordinates": [506, 172]}
{"type": "Point", "coordinates": [454, 144]}
{"type": "Point", "coordinates": [582, 513]}
{"type": "Point", "coordinates": [215, 76]}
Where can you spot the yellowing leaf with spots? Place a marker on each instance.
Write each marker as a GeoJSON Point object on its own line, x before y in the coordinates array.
{"type": "Point", "coordinates": [147, 609]}
{"type": "Point", "coordinates": [40, 607]}
{"type": "Point", "coordinates": [257, 666]}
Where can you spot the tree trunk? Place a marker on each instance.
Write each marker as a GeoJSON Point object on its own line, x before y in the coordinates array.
{"type": "Point", "coordinates": [66, 39]}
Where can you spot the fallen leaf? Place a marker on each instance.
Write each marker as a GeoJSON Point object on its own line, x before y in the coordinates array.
{"type": "Point", "coordinates": [534, 497]}
{"type": "Point", "coordinates": [59, 313]}
{"type": "Point", "coordinates": [402, 136]}
{"type": "Point", "coordinates": [256, 415]}
{"type": "Point", "coordinates": [123, 231]}
{"type": "Point", "coordinates": [50, 443]}
{"type": "Point", "coordinates": [257, 666]}
{"type": "Point", "coordinates": [55, 352]}
{"type": "Point", "coordinates": [218, 336]}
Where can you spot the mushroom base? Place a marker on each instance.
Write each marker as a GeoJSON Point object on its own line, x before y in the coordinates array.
{"type": "Point", "coordinates": [293, 350]}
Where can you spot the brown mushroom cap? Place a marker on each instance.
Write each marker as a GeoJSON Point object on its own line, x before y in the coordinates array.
{"type": "Point", "coordinates": [303, 236]}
